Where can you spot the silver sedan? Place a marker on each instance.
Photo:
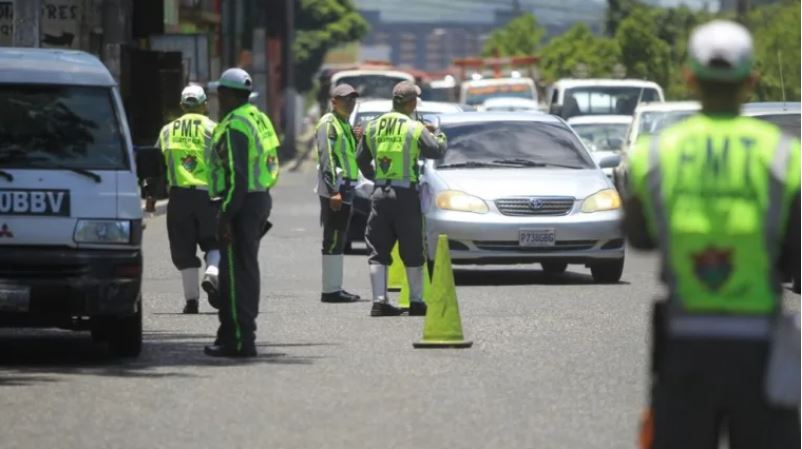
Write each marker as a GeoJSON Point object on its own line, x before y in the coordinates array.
{"type": "Point", "coordinates": [521, 188]}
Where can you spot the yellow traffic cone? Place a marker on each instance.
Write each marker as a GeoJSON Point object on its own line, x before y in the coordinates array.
{"type": "Point", "coordinates": [442, 327]}
{"type": "Point", "coordinates": [396, 276]}
{"type": "Point", "coordinates": [403, 297]}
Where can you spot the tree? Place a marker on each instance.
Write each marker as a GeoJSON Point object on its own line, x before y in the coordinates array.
{"type": "Point", "coordinates": [578, 46]}
{"type": "Point", "coordinates": [320, 26]}
{"type": "Point", "coordinates": [520, 37]}
{"type": "Point", "coordinates": [776, 36]}
{"type": "Point", "coordinates": [643, 53]}
{"type": "Point", "coordinates": [617, 11]}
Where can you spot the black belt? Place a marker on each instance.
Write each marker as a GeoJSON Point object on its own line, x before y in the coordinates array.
{"type": "Point", "coordinates": [204, 188]}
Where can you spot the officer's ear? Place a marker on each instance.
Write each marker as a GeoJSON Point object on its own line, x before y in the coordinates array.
{"type": "Point", "coordinates": [690, 79]}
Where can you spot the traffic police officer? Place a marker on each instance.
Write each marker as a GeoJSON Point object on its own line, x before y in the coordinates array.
{"type": "Point", "coordinates": [191, 217]}
{"type": "Point", "coordinates": [243, 167]}
{"type": "Point", "coordinates": [393, 143]}
{"type": "Point", "coordinates": [337, 177]}
{"type": "Point", "coordinates": [718, 194]}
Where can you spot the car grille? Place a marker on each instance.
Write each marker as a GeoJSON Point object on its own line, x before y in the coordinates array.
{"type": "Point", "coordinates": [527, 206]}
{"type": "Point", "coordinates": [564, 245]}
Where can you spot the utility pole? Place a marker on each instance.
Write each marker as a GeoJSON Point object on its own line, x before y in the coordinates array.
{"type": "Point", "coordinates": [26, 23]}
{"type": "Point", "coordinates": [288, 60]}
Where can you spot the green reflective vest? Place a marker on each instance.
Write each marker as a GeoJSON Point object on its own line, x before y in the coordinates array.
{"type": "Point", "coordinates": [186, 145]}
{"type": "Point", "coordinates": [343, 153]}
{"type": "Point", "coordinates": [393, 140]}
{"type": "Point", "coordinates": [717, 194]}
{"type": "Point", "coordinates": [263, 165]}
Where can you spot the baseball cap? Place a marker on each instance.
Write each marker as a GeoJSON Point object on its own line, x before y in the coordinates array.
{"type": "Point", "coordinates": [193, 95]}
{"type": "Point", "coordinates": [721, 50]}
{"type": "Point", "coordinates": [236, 78]}
{"type": "Point", "coordinates": [405, 91]}
{"type": "Point", "coordinates": [343, 90]}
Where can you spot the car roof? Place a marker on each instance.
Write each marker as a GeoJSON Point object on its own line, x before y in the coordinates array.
{"type": "Point", "coordinates": [493, 116]}
{"type": "Point", "coordinates": [496, 81]}
{"type": "Point", "coordinates": [374, 72]}
{"type": "Point", "coordinates": [771, 107]}
{"type": "Point", "coordinates": [425, 106]}
{"type": "Point", "coordinates": [668, 106]}
{"type": "Point", "coordinates": [568, 83]}
{"type": "Point", "coordinates": [600, 119]}
{"type": "Point", "coordinates": [47, 66]}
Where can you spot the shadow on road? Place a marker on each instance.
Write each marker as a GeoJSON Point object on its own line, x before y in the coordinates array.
{"type": "Point", "coordinates": [41, 356]}
{"type": "Point", "coordinates": [485, 277]}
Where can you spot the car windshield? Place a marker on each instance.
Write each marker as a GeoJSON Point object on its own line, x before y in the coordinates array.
{"type": "Point", "coordinates": [59, 127]}
{"type": "Point", "coordinates": [789, 123]}
{"type": "Point", "coordinates": [476, 95]}
{"type": "Point", "coordinates": [600, 100]}
{"type": "Point", "coordinates": [490, 142]}
{"type": "Point", "coordinates": [372, 86]}
{"type": "Point", "coordinates": [656, 121]}
{"type": "Point", "coordinates": [603, 136]}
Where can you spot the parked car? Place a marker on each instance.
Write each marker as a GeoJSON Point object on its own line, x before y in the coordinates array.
{"type": "Point", "coordinates": [603, 135]}
{"type": "Point", "coordinates": [521, 188]}
{"type": "Point", "coordinates": [365, 111]}
{"type": "Point", "coordinates": [786, 115]}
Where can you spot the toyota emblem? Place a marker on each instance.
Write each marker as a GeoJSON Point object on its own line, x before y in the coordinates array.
{"type": "Point", "coordinates": [536, 203]}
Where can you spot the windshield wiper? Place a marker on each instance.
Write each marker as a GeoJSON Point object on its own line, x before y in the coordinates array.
{"type": "Point", "coordinates": [7, 175]}
{"type": "Point", "coordinates": [81, 171]}
{"type": "Point", "coordinates": [469, 164]}
{"type": "Point", "coordinates": [531, 163]}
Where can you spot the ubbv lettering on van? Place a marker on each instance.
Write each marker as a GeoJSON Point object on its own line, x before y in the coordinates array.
{"type": "Point", "coordinates": [46, 202]}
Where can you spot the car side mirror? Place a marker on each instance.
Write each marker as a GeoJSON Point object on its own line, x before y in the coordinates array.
{"type": "Point", "coordinates": [610, 161]}
{"type": "Point", "coordinates": [149, 162]}
{"type": "Point", "coordinates": [556, 109]}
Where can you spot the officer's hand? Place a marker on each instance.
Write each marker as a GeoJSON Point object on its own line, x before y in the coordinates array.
{"type": "Point", "coordinates": [224, 232]}
{"type": "Point", "coordinates": [431, 128]}
{"type": "Point", "coordinates": [336, 202]}
{"type": "Point", "coordinates": [358, 132]}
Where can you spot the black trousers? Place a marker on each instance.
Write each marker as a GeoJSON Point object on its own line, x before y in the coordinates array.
{"type": "Point", "coordinates": [335, 227]}
{"type": "Point", "coordinates": [706, 385]}
{"type": "Point", "coordinates": [395, 215]}
{"type": "Point", "coordinates": [239, 273]}
{"type": "Point", "coordinates": [191, 222]}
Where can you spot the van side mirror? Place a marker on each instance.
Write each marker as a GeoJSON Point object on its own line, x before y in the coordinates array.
{"type": "Point", "coordinates": [149, 162]}
{"type": "Point", "coordinates": [556, 109]}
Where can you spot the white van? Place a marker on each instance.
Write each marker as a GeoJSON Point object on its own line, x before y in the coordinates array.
{"type": "Point", "coordinates": [70, 208]}
{"type": "Point", "coordinates": [575, 97]}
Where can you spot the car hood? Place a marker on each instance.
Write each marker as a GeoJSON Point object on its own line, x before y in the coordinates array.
{"type": "Point", "coordinates": [494, 183]}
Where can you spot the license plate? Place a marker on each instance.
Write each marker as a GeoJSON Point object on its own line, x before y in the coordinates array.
{"type": "Point", "coordinates": [14, 298]}
{"type": "Point", "coordinates": [536, 238]}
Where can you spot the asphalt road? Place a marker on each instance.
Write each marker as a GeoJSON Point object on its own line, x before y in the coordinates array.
{"type": "Point", "coordinates": [557, 362]}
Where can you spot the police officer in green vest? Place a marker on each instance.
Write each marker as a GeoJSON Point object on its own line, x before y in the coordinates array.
{"type": "Point", "coordinates": [388, 154]}
{"type": "Point", "coordinates": [191, 216]}
{"type": "Point", "coordinates": [243, 168]}
{"type": "Point", "coordinates": [337, 177]}
{"type": "Point", "coordinates": [718, 195]}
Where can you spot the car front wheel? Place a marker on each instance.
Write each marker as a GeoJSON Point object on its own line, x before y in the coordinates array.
{"type": "Point", "coordinates": [608, 271]}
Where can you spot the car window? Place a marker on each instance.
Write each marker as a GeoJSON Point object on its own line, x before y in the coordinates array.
{"type": "Point", "coordinates": [789, 123]}
{"type": "Point", "coordinates": [656, 121]}
{"type": "Point", "coordinates": [48, 126]}
{"type": "Point", "coordinates": [601, 100]}
{"type": "Point", "coordinates": [542, 142]}
{"type": "Point", "coordinates": [603, 136]}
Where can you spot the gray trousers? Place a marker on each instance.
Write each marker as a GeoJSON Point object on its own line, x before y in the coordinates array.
{"type": "Point", "coordinates": [191, 222]}
{"type": "Point", "coordinates": [395, 215]}
{"type": "Point", "coordinates": [706, 385]}
{"type": "Point", "coordinates": [335, 227]}
{"type": "Point", "coordinates": [239, 273]}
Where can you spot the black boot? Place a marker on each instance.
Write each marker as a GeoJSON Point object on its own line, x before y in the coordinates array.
{"type": "Point", "coordinates": [191, 307]}
{"type": "Point", "coordinates": [230, 351]}
{"type": "Point", "coordinates": [417, 308]}
{"type": "Point", "coordinates": [384, 309]}
{"type": "Point", "coordinates": [340, 296]}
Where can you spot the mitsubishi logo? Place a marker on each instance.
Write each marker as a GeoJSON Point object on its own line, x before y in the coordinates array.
{"type": "Point", "coordinates": [5, 231]}
{"type": "Point", "coordinates": [536, 203]}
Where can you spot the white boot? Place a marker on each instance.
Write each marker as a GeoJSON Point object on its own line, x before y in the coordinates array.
{"type": "Point", "coordinates": [190, 277]}
{"type": "Point", "coordinates": [415, 280]}
{"type": "Point", "coordinates": [378, 282]}
{"type": "Point", "coordinates": [212, 263]}
{"type": "Point", "coordinates": [332, 273]}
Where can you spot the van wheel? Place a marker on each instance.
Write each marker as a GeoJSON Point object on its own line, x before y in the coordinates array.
{"type": "Point", "coordinates": [607, 272]}
{"type": "Point", "coordinates": [554, 267]}
{"type": "Point", "coordinates": [125, 334]}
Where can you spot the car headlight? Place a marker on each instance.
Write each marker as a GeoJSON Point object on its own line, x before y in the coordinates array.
{"type": "Point", "coordinates": [103, 231]}
{"type": "Point", "coordinates": [461, 202]}
{"type": "Point", "coordinates": [606, 199]}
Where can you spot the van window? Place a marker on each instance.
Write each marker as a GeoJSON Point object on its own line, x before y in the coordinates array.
{"type": "Point", "coordinates": [43, 126]}
{"type": "Point", "coordinates": [600, 100]}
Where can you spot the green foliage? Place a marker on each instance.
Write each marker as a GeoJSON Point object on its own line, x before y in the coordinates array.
{"type": "Point", "coordinates": [776, 34]}
{"type": "Point", "coordinates": [562, 56]}
{"type": "Point", "coordinates": [617, 11]}
{"type": "Point", "coordinates": [320, 26]}
{"type": "Point", "coordinates": [520, 37]}
{"type": "Point", "coordinates": [643, 53]}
